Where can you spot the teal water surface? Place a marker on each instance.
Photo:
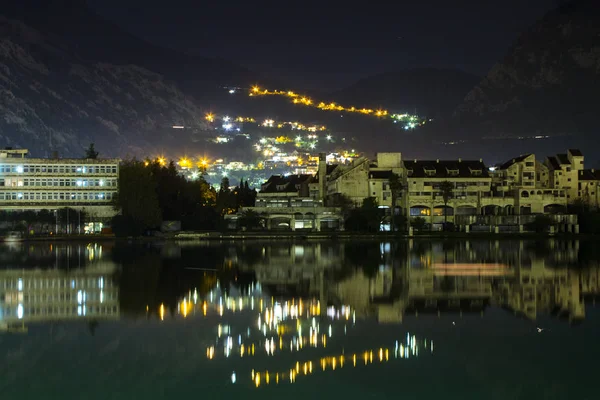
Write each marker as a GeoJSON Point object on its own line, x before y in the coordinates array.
{"type": "Point", "coordinates": [410, 320]}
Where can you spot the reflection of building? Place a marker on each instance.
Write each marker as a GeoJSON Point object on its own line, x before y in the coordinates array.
{"type": "Point", "coordinates": [463, 278]}
{"type": "Point", "coordinates": [38, 183]}
{"type": "Point", "coordinates": [55, 295]}
{"type": "Point", "coordinates": [297, 268]}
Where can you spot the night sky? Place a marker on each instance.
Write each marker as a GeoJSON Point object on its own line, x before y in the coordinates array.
{"type": "Point", "coordinates": [333, 44]}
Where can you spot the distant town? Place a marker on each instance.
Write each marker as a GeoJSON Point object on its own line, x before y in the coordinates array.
{"type": "Point", "coordinates": [299, 191]}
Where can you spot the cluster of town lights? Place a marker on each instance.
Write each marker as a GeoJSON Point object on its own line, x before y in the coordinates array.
{"type": "Point", "coordinates": [411, 121]}
{"type": "Point", "coordinates": [228, 123]}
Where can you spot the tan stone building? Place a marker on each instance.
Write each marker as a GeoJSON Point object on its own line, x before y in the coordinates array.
{"type": "Point", "coordinates": [564, 170]}
{"type": "Point", "coordinates": [526, 180]}
{"type": "Point", "coordinates": [588, 187]}
{"type": "Point", "coordinates": [471, 185]}
{"type": "Point", "coordinates": [365, 178]}
{"type": "Point", "coordinates": [292, 203]}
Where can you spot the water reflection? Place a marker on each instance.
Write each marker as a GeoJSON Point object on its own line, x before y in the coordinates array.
{"type": "Point", "coordinates": [334, 317]}
{"type": "Point", "coordinates": [46, 293]}
{"type": "Point", "coordinates": [389, 281]}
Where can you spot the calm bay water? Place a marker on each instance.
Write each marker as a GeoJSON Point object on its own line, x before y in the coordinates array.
{"type": "Point", "coordinates": [412, 320]}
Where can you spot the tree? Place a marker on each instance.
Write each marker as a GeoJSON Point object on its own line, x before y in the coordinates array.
{"type": "Point", "coordinates": [91, 152]}
{"type": "Point", "coordinates": [226, 199]}
{"type": "Point", "coordinates": [366, 218]}
{"type": "Point", "coordinates": [341, 201]}
{"type": "Point", "coordinates": [447, 191]}
{"type": "Point", "coordinates": [250, 219]}
{"type": "Point", "coordinates": [396, 187]}
{"type": "Point", "coordinates": [540, 224]}
{"type": "Point", "coordinates": [418, 223]}
{"type": "Point", "coordinates": [137, 199]}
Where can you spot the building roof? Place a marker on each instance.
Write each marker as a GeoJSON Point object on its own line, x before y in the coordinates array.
{"type": "Point", "coordinates": [576, 152]}
{"type": "Point", "coordinates": [285, 184]}
{"type": "Point", "coordinates": [380, 174]}
{"type": "Point", "coordinates": [553, 162]}
{"type": "Point", "coordinates": [507, 164]}
{"type": "Point", "coordinates": [444, 169]}
{"type": "Point", "coordinates": [328, 171]}
{"type": "Point", "coordinates": [589, 175]}
{"type": "Point", "coordinates": [563, 159]}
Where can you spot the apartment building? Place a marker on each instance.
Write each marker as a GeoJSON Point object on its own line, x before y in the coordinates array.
{"type": "Point", "coordinates": [365, 178]}
{"type": "Point", "coordinates": [293, 202]}
{"type": "Point", "coordinates": [588, 187]}
{"type": "Point", "coordinates": [40, 183]}
{"type": "Point", "coordinates": [564, 170]}
{"type": "Point", "coordinates": [471, 186]}
{"type": "Point", "coordinates": [527, 181]}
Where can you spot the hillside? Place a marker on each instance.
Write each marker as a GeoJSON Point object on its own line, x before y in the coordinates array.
{"type": "Point", "coordinates": [52, 99]}
{"type": "Point", "coordinates": [547, 84]}
{"type": "Point", "coordinates": [428, 91]}
{"type": "Point", "coordinates": [94, 38]}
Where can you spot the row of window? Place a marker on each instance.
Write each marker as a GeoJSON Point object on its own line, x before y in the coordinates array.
{"type": "Point", "coordinates": [58, 169]}
{"type": "Point", "coordinates": [58, 182]}
{"type": "Point", "coordinates": [47, 283]}
{"type": "Point", "coordinates": [433, 172]}
{"type": "Point", "coordinates": [455, 195]}
{"type": "Point", "coordinates": [436, 185]}
{"type": "Point", "coordinates": [56, 196]}
{"type": "Point", "coordinates": [61, 311]}
{"type": "Point", "coordinates": [68, 296]}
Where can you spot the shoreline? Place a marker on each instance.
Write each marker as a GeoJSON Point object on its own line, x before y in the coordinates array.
{"type": "Point", "coordinates": [307, 236]}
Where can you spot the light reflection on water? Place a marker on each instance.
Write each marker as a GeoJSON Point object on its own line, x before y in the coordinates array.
{"type": "Point", "coordinates": [275, 313]}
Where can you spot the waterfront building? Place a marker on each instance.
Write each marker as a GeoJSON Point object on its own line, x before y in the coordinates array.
{"type": "Point", "coordinates": [470, 196]}
{"type": "Point", "coordinates": [89, 185]}
{"type": "Point", "coordinates": [364, 178]}
{"type": "Point", "coordinates": [588, 187]}
{"type": "Point", "coordinates": [564, 170]}
{"type": "Point", "coordinates": [527, 181]}
{"type": "Point", "coordinates": [292, 203]}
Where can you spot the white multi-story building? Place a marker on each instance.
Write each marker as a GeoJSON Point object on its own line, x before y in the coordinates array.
{"type": "Point", "coordinates": [89, 185]}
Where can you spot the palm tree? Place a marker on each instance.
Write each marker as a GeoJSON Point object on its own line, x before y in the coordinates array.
{"type": "Point", "coordinates": [250, 219]}
{"type": "Point", "coordinates": [396, 187]}
{"type": "Point", "coordinates": [447, 189]}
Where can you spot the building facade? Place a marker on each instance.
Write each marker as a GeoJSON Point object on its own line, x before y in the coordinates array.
{"type": "Point", "coordinates": [564, 170]}
{"type": "Point", "coordinates": [293, 203]}
{"type": "Point", "coordinates": [588, 187]}
{"type": "Point", "coordinates": [37, 184]}
{"type": "Point", "coordinates": [470, 195]}
{"type": "Point", "coordinates": [527, 181]}
{"type": "Point", "coordinates": [365, 178]}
